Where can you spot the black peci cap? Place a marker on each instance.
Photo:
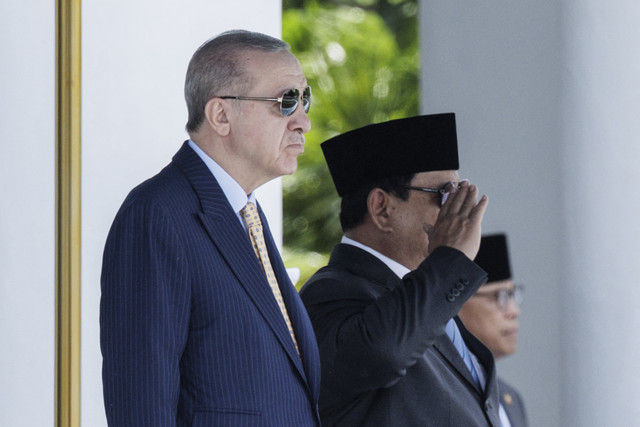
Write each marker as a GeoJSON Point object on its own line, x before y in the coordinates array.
{"type": "Point", "coordinates": [493, 257]}
{"type": "Point", "coordinates": [394, 148]}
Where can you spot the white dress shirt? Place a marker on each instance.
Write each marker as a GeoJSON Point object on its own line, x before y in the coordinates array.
{"type": "Point", "coordinates": [232, 190]}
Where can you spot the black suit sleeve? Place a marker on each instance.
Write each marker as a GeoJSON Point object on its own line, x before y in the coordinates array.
{"type": "Point", "coordinates": [370, 333]}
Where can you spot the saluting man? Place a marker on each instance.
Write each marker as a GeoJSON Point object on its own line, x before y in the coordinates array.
{"type": "Point", "coordinates": [384, 309]}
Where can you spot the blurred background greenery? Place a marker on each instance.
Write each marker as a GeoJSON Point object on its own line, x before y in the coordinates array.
{"type": "Point", "coordinates": [361, 59]}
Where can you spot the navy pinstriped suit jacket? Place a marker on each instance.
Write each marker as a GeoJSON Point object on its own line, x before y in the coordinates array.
{"type": "Point", "coordinates": [190, 332]}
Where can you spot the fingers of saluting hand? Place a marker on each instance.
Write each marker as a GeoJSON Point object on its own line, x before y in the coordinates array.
{"type": "Point", "coordinates": [468, 204]}
{"type": "Point", "coordinates": [469, 201]}
{"type": "Point", "coordinates": [457, 197]}
{"type": "Point", "coordinates": [459, 221]}
{"type": "Point", "coordinates": [463, 201]}
{"type": "Point", "coordinates": [477, 212]}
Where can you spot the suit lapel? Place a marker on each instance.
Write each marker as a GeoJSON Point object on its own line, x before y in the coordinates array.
{"type": "Point", "coordinates": [226, 232]}
{"type": "Point", "coordinates": [490, 394]}
{"type": "Point", "coordinates": [446, 348]}
{"type": "Point", "coordinates": [485, 357]}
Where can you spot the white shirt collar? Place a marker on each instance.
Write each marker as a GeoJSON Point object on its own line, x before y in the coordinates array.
{"type": "Point", "coordinates": [232, 190]}
{"type": "Point", "coordinates": [504, 418]}
{"type": "Point", "coordinates": [399, 269]}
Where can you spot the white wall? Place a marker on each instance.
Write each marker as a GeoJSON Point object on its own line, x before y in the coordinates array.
{"type": "Point", "coordinates": [496, 63]}
{"type": "Point", "coordinates": [27, 184]}
{"type": "Point", "coordinates": [548, 98]}
{"type": "Point", "coordinates": [601, 150]}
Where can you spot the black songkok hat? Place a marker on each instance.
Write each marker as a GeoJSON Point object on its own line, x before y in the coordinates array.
{"type": "Point", "coordinates": [393, 148]}
{"type": "Point", "coordinates": [493, 257]}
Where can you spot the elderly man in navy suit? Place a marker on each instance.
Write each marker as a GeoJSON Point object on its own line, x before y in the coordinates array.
{"type": "Point", "coordinates": [200, 324]}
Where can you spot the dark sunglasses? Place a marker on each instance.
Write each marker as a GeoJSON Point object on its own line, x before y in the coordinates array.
{"type": "Point", "coordinates": [288, 101]}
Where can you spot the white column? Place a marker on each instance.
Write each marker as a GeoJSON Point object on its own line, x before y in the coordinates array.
{"type": "Point", "coordinates": [548, 96]}
{"type": "Point", "coordinates": [601, 152]}
{"type": "Point", "coordinates": [496, 64]}
{"type": "Point", "coordinates": [27, 175]}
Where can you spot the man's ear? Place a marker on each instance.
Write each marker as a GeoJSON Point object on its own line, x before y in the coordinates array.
{"type": "Point", "coordinates": [380, 206]}
{"type": "Point", "coordinates": [215, 111]}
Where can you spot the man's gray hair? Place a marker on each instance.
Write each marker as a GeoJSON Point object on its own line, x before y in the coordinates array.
{"type": "Point", "coordinates": [215, 68]}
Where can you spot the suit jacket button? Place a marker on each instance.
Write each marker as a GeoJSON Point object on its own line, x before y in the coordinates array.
{"type": "Point", "coordinates": [451, 298]}
{"type": "Point", "coordinates": [455, 292]}
{"type": "Point", "coordinates": [459, 286]}
{"type": "Point", "coordinates": [487, 406]}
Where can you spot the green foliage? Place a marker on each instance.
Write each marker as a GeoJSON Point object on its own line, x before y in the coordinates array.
{"type": "Point", "coordinates": [359, 74]}
{"type": "Point", "coordinates": [307, 262]}
{"type": "Point", "coordinates": [399, 15]}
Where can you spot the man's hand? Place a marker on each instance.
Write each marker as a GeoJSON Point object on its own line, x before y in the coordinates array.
{"type": "Point", "coordinates": [459, 223]}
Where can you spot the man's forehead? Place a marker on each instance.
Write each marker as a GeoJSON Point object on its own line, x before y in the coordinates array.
{"type": "Point", "coordinates": [276, 70]}
{"type": "Point", "coordinates": [253, 58]}
{"type": "Point", "coordinates": [436, 177]}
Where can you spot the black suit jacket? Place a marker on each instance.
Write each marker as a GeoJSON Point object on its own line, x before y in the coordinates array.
{"type": "Point", "coordinates": [191, 333]}
{"type": "Point", "coordinates": [386, 359]}
{"type": "Point", "coordinates": [512, 404]}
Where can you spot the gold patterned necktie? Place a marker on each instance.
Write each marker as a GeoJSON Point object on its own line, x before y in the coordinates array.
{"type": "Point", "coordinates": [252, 219]}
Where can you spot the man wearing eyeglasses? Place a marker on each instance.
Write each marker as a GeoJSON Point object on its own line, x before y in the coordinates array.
{"type": "Point", "coordinates": [200, 324]}
{"type": "Point", "coordinates": [492, 316]}
{"type": "Point", "coordinates": [384, 309]}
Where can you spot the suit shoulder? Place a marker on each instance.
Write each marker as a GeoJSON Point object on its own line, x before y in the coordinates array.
{"type": "Point", "coordinates": [169, 180]}
{"type": "Point", "coordinates": [168, 189]}
{"type": "Point", "coordinates": [334, 283]}
{"type": "Point", "coordinates": [506, 387]}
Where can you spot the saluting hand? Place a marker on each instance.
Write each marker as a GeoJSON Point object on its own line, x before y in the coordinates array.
{"type": "Point", "coordinates": [459, 223]}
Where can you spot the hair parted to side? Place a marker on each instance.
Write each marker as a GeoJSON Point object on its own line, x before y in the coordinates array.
{"type": "Point", "coordinates": [353, 208]}
{"type": "Point", "coordinates": [215, 67]}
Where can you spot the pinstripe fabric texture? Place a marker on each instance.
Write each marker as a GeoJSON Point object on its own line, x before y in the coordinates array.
{"type": "Point", "coordinates": [252, 219]}
{"type": "Point", "coordinates": [190, 332]}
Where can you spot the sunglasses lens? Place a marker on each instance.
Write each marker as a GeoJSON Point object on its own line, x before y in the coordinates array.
{"type": "Point", "coordinates": [306, 99]}
{"type": "Point", "coordinates": [291, 99]}
{"type": "Point", "coordinates": [289, 102]}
